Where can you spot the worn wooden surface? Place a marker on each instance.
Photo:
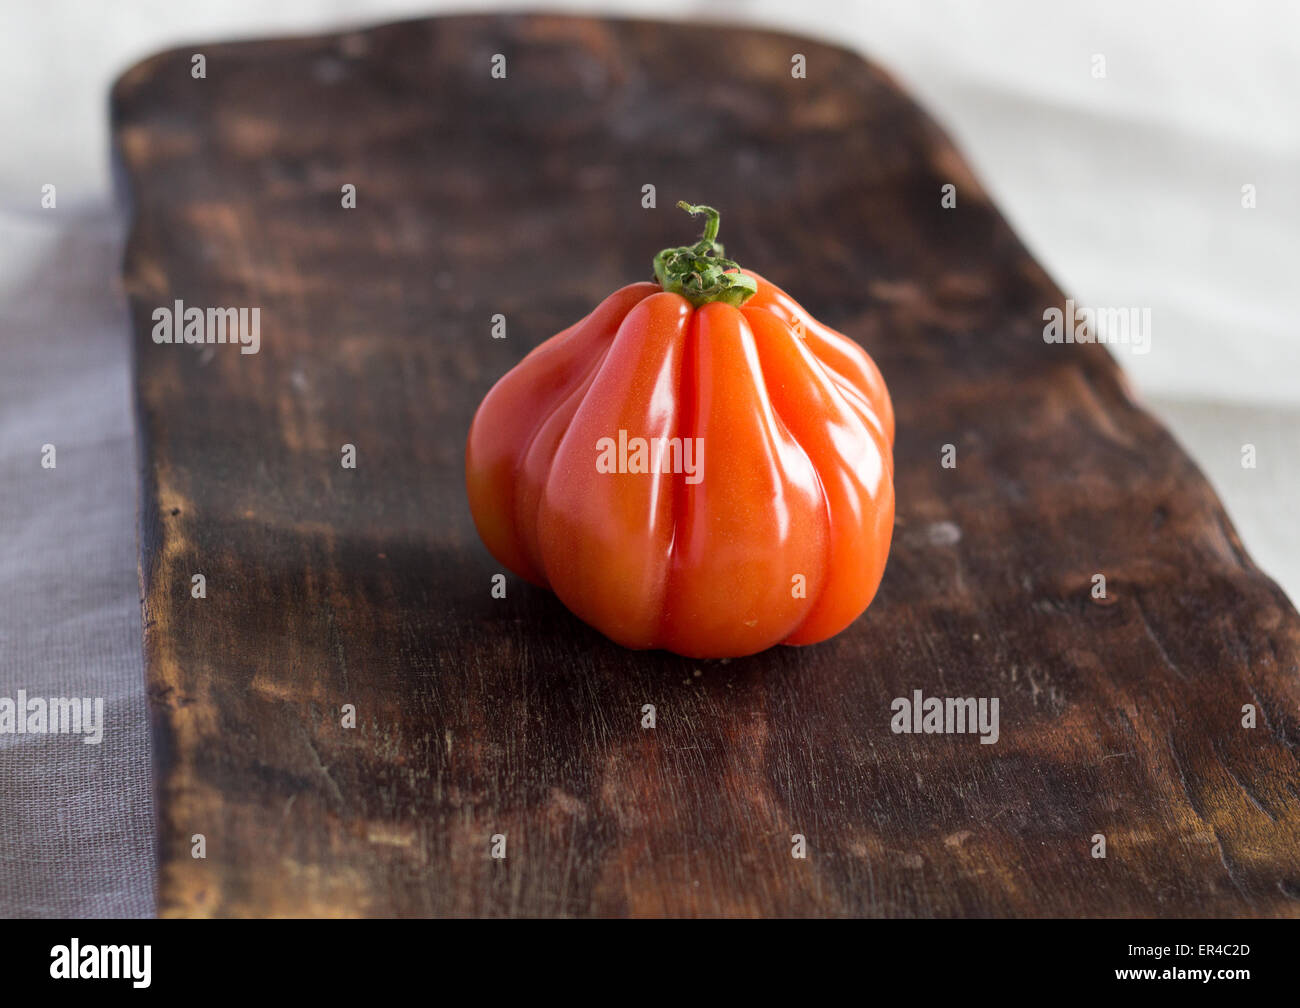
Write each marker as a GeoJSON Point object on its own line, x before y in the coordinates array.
{"type": "Point", "coordinates": [476, 716]}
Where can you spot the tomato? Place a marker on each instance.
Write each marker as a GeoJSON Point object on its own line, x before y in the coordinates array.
{"type": "Point", "coordinates": [698, 465]}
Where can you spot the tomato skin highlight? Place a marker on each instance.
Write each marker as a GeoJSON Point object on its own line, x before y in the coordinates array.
{"type": "Point", "coordinates": [606, 538]}
{"type": "Point", "coordinates": [781, 531]}
{"type": "Point", "coordinates": [503, 492]}
{"type": "Point", "coordinates": [756, 518]}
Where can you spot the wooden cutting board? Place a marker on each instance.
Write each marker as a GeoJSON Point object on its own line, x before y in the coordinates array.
{"type": "Point", "coordinates": [479, 717]}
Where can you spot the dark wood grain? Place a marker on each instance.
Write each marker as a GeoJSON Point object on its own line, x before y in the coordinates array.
{"type": "Point", "coordinates": [476, 716]}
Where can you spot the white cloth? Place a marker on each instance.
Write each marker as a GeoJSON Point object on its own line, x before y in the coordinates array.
{"type": "Point", "coordinates": [76, 828]}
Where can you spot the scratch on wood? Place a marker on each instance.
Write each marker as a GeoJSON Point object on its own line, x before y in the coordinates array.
{"type": "Point", "coordinates": [1199, 809]}
{"type": "Point", "coordinates": [1151, 635]}
{"type": "Point", "coordinates": [1245, 788]}
{"type": "Point", "coordinates": [321, 767]}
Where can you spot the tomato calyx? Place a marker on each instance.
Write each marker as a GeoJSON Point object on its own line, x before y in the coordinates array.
{"type": "Point", "coordinates": [698, 272]}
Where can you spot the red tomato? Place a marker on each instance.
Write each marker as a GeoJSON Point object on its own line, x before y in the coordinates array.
{"type": "Point", "coordinates": [697, 465]}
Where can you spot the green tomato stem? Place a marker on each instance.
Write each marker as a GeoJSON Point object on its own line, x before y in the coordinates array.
{"type": "Point", "coordinates": [698, 272]}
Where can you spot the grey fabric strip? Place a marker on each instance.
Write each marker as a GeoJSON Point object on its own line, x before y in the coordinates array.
{"type": "Point", "coordinates": [76, 819]}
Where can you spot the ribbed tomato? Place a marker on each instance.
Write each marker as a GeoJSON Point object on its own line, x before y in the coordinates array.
{"type": "Point", "coordinates": [697, 465]}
